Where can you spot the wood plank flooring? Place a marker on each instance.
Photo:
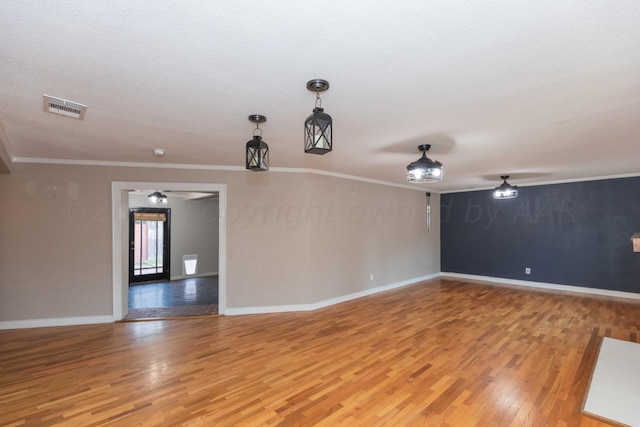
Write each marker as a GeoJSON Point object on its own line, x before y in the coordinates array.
{"type": "Point", "coordinates": [440, 353]}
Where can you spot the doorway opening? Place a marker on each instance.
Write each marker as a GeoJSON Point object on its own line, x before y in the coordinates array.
{"type": "Point", "coordinates": [173, 256]}
{"type": "Point", "coordinates": [149, 251]}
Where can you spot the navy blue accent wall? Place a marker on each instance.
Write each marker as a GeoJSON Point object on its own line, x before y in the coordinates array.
{"type": "Point", "coordinates": [572, 234]}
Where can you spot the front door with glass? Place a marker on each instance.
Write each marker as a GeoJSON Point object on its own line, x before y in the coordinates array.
{"type": "Point", "coordinates": [149, 244]}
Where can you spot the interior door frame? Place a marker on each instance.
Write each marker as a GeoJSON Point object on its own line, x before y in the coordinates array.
{"type": "Point", "coordinates": [120, 237]}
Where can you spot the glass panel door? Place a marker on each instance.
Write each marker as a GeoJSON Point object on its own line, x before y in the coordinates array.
{"type": "Point", "coordinates": [149, 244]}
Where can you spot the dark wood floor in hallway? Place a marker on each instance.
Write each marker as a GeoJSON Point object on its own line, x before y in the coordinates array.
{"type": "Point", "coordinates": [439, 353]}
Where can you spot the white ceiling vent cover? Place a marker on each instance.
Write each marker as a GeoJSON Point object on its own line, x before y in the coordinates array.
{"type": "Point", "coordinates": [63, 107]}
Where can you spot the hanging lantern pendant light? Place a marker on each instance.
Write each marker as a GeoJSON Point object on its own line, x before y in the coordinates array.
{"type": "Point", "coordinates": [318, 136]}
{"type": "Point", "coordinates": [257, 153]}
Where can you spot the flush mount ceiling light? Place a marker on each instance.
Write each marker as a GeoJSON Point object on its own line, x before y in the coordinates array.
{"type": "Point", "coordinates": [505, 190]}
{"type": "Point", "coordinates": [257, 153]}
{"type": "Point", "coordinates": [157, 198]}
{"type": "Point", "coordinates": [424, 169]}
{"type": "Point", "coordinates": [318, 128]}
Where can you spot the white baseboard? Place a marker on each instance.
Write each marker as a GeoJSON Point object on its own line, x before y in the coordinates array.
{"type": "Point", "coordinates": [192, 276]}
{"type": "Point", "coordinates": [325, 303]}
{"type": "Point", "coordinates": [542, 285]}
{"type": "Point", "coordinates": [58, 321]}
{"type": "Point", "coordinates": [86, 320]}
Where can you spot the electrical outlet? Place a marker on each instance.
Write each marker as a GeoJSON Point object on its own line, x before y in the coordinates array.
{"type": "Point", "coordinates": [527, 270]}
{"type": "Point", "coordinates": [371, 276]}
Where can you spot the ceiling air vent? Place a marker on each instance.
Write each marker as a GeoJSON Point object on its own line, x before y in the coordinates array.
{"type": "Point", "coordinates": [63, 107]}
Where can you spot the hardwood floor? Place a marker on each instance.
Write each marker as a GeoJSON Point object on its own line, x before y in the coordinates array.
{"type": "Point", "coordinates": [439, 353]}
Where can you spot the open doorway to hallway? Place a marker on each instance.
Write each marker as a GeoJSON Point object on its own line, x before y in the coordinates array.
{"type": "Point", "coordinates": [194, 263]}
{"type": "Point", "coordinates": [173, 254]}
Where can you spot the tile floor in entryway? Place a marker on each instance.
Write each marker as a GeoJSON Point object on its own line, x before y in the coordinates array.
{"type": "Point", "coordinates": [194, 296]}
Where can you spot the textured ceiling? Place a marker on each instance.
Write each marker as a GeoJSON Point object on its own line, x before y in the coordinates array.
{"type": "Point", "coordinates": [544, 91]}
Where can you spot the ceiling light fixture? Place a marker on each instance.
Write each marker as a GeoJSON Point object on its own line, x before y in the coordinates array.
{"type": "Point", "coordinates": [157, 198]}
{"type": "Point", "coordinates": [158, 152]}
{"type": "Point", "coordinates": [257, 154]}
{"type": "Point", "coordinates": [424, 169]}
{"type": "Point", "coordinates": [505, 190]}
{"type": "Point", "coordinates": [318, 136]}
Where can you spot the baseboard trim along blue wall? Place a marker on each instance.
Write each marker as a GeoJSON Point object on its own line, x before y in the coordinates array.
{"type": "Point", "coordinates": [547, 286]}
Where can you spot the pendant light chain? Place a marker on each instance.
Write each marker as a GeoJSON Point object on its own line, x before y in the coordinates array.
{"type": "Point", "coordinates": [256, 130]}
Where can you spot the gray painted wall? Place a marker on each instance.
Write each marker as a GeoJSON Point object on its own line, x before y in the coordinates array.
{"type": "Point", "coordinates": [291, 238]}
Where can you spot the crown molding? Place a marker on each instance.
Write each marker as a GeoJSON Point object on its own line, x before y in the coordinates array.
{"type": "Point", "coordinates": [40, 160]}
{"type": "Point", "coordinates": [560, 181]}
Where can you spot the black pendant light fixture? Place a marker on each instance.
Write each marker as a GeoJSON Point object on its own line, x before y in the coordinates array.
{"type": "Point", "coordinates": [157, 198]}
{"type": "Point", "coordinates": [318, 128]}
{"type": "Point", "coordinates": [424, 169]}
{"type": "Point", "coordinates": [257, 154]}
{"type": "Point", "coordinates": [505, 190]}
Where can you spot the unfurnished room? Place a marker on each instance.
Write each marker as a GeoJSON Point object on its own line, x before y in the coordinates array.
{"type": "Point", "coordinates": [294, 213]}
